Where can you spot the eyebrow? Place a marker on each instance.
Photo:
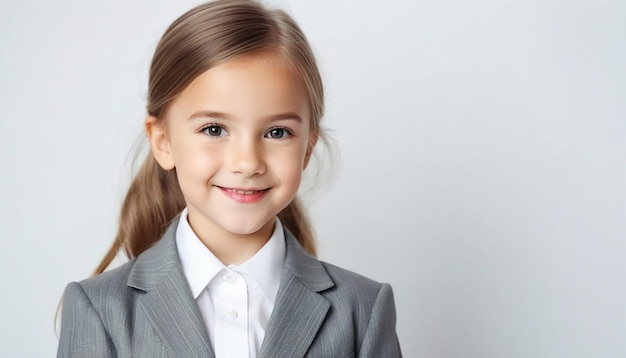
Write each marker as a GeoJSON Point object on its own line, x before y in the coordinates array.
{"type": "Point", "coordinates": [226, 116]}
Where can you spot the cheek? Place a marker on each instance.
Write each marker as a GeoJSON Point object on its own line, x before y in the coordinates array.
{"type": "Point", "coordinates": [290, 167]}
{"type": "Point", "coordinates": [195, 162]}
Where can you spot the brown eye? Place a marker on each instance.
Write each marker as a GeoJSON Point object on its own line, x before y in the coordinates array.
{"type": "Point", "coordinates": [278, 133]}
{"type": "Point", "coordinates": [214, 131]}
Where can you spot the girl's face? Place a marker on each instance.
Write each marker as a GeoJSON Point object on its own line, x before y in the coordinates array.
{"type": "Point", "coordinates": [239, 137]}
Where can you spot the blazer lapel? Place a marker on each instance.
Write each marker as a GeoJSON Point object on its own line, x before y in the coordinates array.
{"type": "Point", "coordinates": [168, 301]}
{"type": "Point", "coordinates": [299, 310]}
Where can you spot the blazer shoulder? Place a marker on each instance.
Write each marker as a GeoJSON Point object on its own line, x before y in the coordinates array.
{"type": "Point", "coordinates": [370, 308]}
{"type": "Point", "coordinates": [122, 285]}
{"type": "Point", "coordinates": [349, 280]}
{"type": "Point", "coordinates": [355, 290]}
{"type": "Point", "coordinates": [108, 285]}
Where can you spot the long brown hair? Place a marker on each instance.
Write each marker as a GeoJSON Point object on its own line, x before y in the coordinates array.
{"type": "Point", "coordinates": [202, 38]}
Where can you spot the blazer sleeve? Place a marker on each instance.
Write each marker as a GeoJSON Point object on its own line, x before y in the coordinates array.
{"type": "Point", "coordinates": [380, 339]}
{"type": "Point", "coordinates": [82, 332]}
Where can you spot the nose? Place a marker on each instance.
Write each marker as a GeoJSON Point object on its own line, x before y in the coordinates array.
{"type": "Point", "coordinates": [246, 157]}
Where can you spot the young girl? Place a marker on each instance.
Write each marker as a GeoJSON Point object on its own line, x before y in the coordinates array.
{"type": "Point", "coordinates": [222, 259]}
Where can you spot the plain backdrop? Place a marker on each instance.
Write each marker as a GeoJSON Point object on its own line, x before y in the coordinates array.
{"type": "Point", "coordinates": [482, 170]}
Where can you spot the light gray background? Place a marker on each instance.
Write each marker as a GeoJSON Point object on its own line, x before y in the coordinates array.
{"type": "Point", "coordinates": [483, 168]}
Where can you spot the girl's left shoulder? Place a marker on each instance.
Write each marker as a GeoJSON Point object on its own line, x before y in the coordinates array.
{"type": "Point", "coordinates": [363, 309]}
{"type": "Point", "coordinates": [354, 286]}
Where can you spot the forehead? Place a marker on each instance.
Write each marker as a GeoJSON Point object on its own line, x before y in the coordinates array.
{"type": "Point", "coordinates": [248, 87]}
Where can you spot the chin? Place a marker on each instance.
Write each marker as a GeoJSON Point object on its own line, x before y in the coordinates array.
{"type": "Point", "coordinates": [245, 228]}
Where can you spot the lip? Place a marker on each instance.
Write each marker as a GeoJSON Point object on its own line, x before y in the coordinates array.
{"type": "Point", "coordinates": [244, 196]}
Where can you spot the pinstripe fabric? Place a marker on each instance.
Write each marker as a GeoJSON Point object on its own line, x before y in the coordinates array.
{"type": "Point", "coordinates": [144, 308]}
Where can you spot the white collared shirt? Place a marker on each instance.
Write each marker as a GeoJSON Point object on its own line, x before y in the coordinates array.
{"type": "Point", "coordinates": [235, 301]}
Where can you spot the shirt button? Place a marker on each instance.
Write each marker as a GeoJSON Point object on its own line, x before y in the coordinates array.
{"type": "Point", "coordinates": [232, 314]}
{"type": "Point", "coordinates": [229, 278]}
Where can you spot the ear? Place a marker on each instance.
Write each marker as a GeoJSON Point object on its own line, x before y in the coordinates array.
{"type": "Point", "coordinates": [159, 143]}
{"type": "Point", "coordinates": [309, 150]}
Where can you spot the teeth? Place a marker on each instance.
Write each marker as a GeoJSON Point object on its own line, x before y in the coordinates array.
{"type": "Point", "coordinates": [245, 192]}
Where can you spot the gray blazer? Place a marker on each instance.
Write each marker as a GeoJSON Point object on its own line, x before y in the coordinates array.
{"type": "Point", "coordinates": [145, 308]}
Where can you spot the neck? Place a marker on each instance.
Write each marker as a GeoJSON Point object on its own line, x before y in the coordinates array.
{"type": "Point", "coordinates": [231, 248]}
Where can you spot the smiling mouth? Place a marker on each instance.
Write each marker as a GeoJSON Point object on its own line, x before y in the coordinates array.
{"type": "Point", "coordinates": [243, 191]}
{"type": "Point", "coordinates": [244, 196]}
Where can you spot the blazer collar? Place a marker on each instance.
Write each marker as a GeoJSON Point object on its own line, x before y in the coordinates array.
{"type": "Point", "coordinates": [168, 301]}
{"type": "Point", "coordinates": [299, 309]}
{"type": "Point", "coordinates": [156, 263]}
{"type": "Point", "coordinates": [305, 267]}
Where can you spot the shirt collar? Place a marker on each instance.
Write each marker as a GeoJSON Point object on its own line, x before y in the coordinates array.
{"type": "Point", "coordinates": [266, 266]}
{"type": "Point", "coordinates": [200, 265]}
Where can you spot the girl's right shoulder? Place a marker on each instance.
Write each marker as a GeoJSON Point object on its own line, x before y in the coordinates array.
{"type": "Point", "coordinates": [94, 313]}
{"type": "Point", "coordinates": [104, 289]}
